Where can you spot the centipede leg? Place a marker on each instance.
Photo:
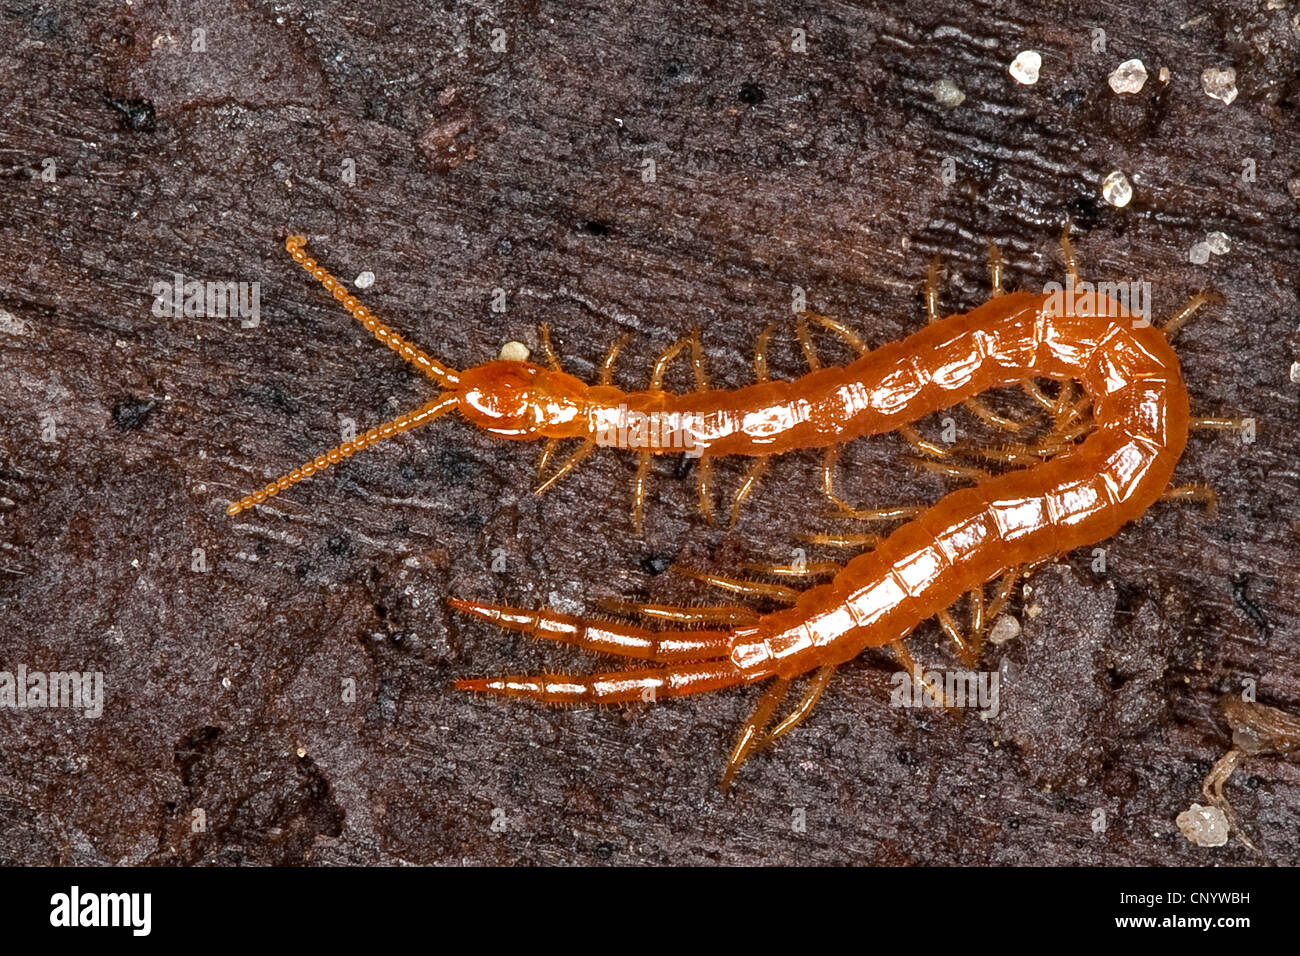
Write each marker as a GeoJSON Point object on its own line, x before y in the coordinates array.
{"type": "Point", "coordinates": [909, 664]}
{"type": "Point", "coordinates": [607, 367]}
{"type": "Point", "coordinates": [843, 331]}
{"type": "Point", "coordinates": [753, 729]}
{"type": "Point", "coordinates": [1203, 494]}
{"type": "Point", "coordinates": [732, 615]}
{"type": "Point", "coordinates": [965, 648]}
{"type": "Point", "coordinates": [995, 270]}
{"type": "Point", "coordinates": [760, 354]}
{"type": "Point", "coordinates": [962, 472]}
{"type": "Point", "coordinates": [976, 630]}
{"type": "Point", "coordinates": [551, 357]}
{"type": "Point", "coordinates": [846, 540]}
{"type": "Point", "coordinates": [1179, 319]}
{"type": "Point", "coordinates": [806, 569]}
{"type": "Point", "coordinates": [990, 417]}
{"type": "Point", "coordinates": [704, 472]}
{"type": "Point", "coordinates": [1067, 250]}
{"type": "Point", "coordinates": [1032, 389]}
{"type": "Point", "coordinates": [548, 452]}
{"type": "Point", "coordinates": [806, 345]}
{"type": "Point", "coordinates": [662, 363]}
{"type": "Point", "coordinates": [801, 710]}
{"type": "Point", "coordinates": [924, 446]}
{"type": "Point", "coordinates": [1006, 587]}
{"type": "Point", "coordinates": [932, 291]}
{"type": "Point", "coordinates": [703, 485]}
{"type": "Point", "coordinates": [638, 490]}
{"type": "Point", "coordinates": [1220, 424]}
{"type": "Point", "coordinates": [829, 459]}
{"type": "Point", "coordinates": [579, 453]}
{"type": "Point", "coordinates": [757, 589]}
{"type": "Point", "coordinates": [756, 472]}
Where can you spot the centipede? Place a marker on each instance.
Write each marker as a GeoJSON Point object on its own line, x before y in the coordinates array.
{"type": "Point", "coordinates": [1116, 427]}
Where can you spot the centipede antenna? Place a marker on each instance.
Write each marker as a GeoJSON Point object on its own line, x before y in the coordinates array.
{"type": "Point", "coordinates": [440, 406]}
{"type": "Point", "coordinates": [440, 373]}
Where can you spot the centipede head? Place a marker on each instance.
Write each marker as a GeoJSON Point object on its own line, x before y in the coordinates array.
{"type": "Point", "coordinates": [520, 400]}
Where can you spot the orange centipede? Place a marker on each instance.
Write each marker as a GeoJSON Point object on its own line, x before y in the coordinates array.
{"type": "Point", "coordinates": [1110, 454]}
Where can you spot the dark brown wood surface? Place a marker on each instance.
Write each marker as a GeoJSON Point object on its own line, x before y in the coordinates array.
{"type": "Point", "coordinates": [125, 434]}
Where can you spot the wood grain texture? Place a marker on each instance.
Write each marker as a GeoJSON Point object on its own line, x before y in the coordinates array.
{"type": "Point", "coordinates": [522, 170]}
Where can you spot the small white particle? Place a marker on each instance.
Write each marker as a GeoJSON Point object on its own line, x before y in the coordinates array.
{"type": "Point", "coordinates": [1218, 243]}
{"type": "Point", "coordinates": [514, 352]}
{"type": "Point", "coordinates": [1005, 628]}
{"type": "Point", "coordinates": [225, 682]}
{"type": "Point", "coordinates": [1024, 68]}
{"type": "Point", "coordinates": [11, 324]}
{"type": "Point", "coordinates": [1204, 826]}
{"type": "Point", "coordinates": [1295, 373]}
{"type": "Point", "coordinates": [947, 93]}
{"type": "Point", "coordinates": [1220, 84]}
{"type": "Point", "coordinates": [365, 280]}
{"type": "Point", "coordinates": [1116, 189]}
{"type": "Point", "coordinates": [1199, 254]}
{"type": "Point", "coordinates": [1129, 77]}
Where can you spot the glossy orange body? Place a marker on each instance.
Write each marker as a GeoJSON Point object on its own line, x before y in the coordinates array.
{"type": "Point", "coordinates": [1081, 496]}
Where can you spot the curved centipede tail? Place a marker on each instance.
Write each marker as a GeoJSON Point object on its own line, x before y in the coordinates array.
{"type": "Point", "coordinates": [444, 375]}
{"type": "Point", "coordinates": [605, 637]}
{"type": "Point", "coordinates": [614, 687]}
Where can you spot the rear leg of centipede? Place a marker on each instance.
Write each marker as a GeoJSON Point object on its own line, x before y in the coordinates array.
{"type": "Point", "coordinates": [617, 638]}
